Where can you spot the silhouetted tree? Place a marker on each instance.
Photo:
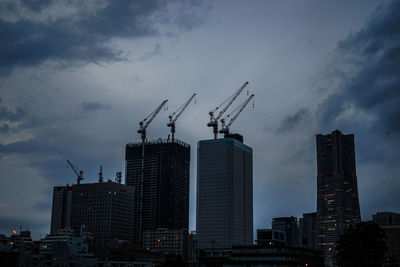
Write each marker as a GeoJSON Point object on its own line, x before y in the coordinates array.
{"type": "Point", "coordinates": [361, 245]}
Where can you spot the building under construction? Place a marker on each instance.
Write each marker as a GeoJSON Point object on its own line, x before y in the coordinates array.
{"type": "Point", "coordinates": [165, 195]}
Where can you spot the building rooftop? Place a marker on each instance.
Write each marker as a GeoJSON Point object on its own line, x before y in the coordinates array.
{"type": "Point", "coordinates": [160, 141]}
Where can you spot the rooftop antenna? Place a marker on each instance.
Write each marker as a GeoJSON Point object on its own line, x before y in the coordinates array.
{"type": "Point", "coordinates": [101, 174]}
{"type": "Point", "coordinates": [118, 177]}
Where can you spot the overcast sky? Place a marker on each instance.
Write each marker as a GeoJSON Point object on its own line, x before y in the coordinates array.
{"type": "Point", "coordinates": [76, 77]}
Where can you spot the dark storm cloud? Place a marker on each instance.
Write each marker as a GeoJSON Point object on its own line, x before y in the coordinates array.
{"type": "Point", "coordinates": [5, 128]}
{"type": "Point", "coordinates": [9, 115]}
{"type": "Point", "coordinates": [292, 121]}
{"type": "Point", "coordinates": [373, 87]}
{"type": "Point", "coordinates": [94, 106]}
{"type": "Point", "coordinates": [79, 37]}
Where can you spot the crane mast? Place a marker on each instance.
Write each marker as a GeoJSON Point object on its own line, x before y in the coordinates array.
{"type": "Point", "coordinates": [225, 127]}
{"type": "Point", "coordinates": [79, 175]}
{"type": "Point", "coordinates": [142, 130]}
{"type": "Point", "coordinates": [214, 120]}
{"type": "Point", "coordinates": [177, 114]}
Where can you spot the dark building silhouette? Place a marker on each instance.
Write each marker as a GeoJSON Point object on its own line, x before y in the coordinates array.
{"type": "Point", "coordinates": [386, 218]}
{"type": "Point", "coordinates": [289, 226]}
{"type": "Point", "coordinates": [308, 230]}
{"type": "Point", "coordinates": [269, 237]}
{"type": "Point", "coordinates": [103, 209]}
{"type": "Point", "coordinates": [61, 209]}
{"type": "Point", "coordinates": [261, 255]}
{"type": "Point", "coordinates": [166, 177]}
{"type": "Point", "coordinates": [337, 196]}
{"type": "Point", "coordinates": [224, 193]}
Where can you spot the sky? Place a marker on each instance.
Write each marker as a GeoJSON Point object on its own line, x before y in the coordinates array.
{"type": "Point", "coordinates": [76, 77]}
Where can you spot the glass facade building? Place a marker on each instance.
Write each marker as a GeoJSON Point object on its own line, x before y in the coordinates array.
{"type": "Point", "coordinates": [224, 193]}
{"type": "Point", "coordinates": [165, 199]}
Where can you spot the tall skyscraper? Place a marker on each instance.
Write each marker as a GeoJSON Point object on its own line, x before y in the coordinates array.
{"type": "Point", "coordinates": [165, 196]}
{"type": "Point", "coordinates": [61, 209]}
{"type": "Point", "coordinates": [288, 225]}
{"type": "Point", "coordinates": [224, 193]}
{"type": "Point", "coordinates": [337, 199]}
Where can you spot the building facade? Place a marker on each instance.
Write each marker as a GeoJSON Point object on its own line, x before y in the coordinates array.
{"type": "Point", "coordinates": [224, 193]}
{"type": "Point", "coordinates": [269, 237]}
{"type": "Point", "coordinates": [167, 241]}
{"type": "Point", "coordinates": [337, 193]}
{"type": "Point", "coordinates": [103, 209]}
{"type": "Point", "coordinates": [308, 230]}
{"type": "Point", "coordinates": [289, 226]}
{"type": "Point", "coordinates": [164, 202]}
{"type": "Point", "coordinates": [61, 209]}
{"type": "Point", "coordinates": [386, 218]}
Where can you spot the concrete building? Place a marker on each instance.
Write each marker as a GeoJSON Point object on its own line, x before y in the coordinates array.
{"type": "Point", "coordinates": [269, 237]}
{"type": "Point", "coordinates": [308, 230]}
{"type": "Point", "coordinates": [167, 241]}
{"type": "Point", "coordinates": [61, 209]}
{"type": "Point", "coordinates": [224, 193]}
{"type": "Point", "coordinates": [165, 196]}
{"type": "Point", "coordinates": [103, 209]}
{"type": "Point", "coordinates": [337, 195]}
{"type": "Point", "coordinates": [386, 218]}
{"type": "Point", "coordinates": [289, 226]}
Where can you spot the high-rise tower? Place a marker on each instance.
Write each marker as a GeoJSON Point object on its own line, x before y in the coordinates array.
{"type": "Point", "coordinates": [337, 199]}
{"type": "Point", "coordinates": [165, 196]}
{"type": "Point", "coordinates": [224, 193]}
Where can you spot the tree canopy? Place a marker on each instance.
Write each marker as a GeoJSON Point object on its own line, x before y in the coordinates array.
{"type": "Point", "coordinates": [362, 244]}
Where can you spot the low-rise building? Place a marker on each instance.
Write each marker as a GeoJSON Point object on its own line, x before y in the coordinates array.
{"type": "Point", "coordinates": [269, 237]}
{"type": "Point", "coordinates": [167, 241]}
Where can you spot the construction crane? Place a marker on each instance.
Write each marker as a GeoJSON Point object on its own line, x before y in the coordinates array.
{"type": "Point", "coordinates": [79, 175]}
{"type": "Point", "coordinates": [143, 126]}
{"type": "Point", "coordinates": [177, 114]}
{"type": "Point", "coordinates": [149, 119]}
{"type": "Point", "coordinates": [238, 110]}
{"type": "Point", "coordinates": [214, 120]}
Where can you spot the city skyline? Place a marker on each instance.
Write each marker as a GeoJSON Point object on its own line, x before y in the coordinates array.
{"type": "Point", "coordinates": [59, 104]}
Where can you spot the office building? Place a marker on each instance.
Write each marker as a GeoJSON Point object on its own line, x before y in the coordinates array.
{"type": "Point", "coordinates": [167, 241]}
{"type": "Point", "coordinates": [103, 209]}
{"type": "Point", "coordinates": [308, 230]}
{"type": "Point", "coordinates": [337, 194]}
{"type": "Point", "coordinates": [224, 193]}
{"type": "Point", "coordinates": [288, 225]}
{"type": "Point", "coordinates": [164, 202]}
{"type": "Point", "coordinates": [386, 218]}
{"type": "Point", "coordinates": [269, 237]}
{"type": "Point", "coordinates": [61, 209]}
